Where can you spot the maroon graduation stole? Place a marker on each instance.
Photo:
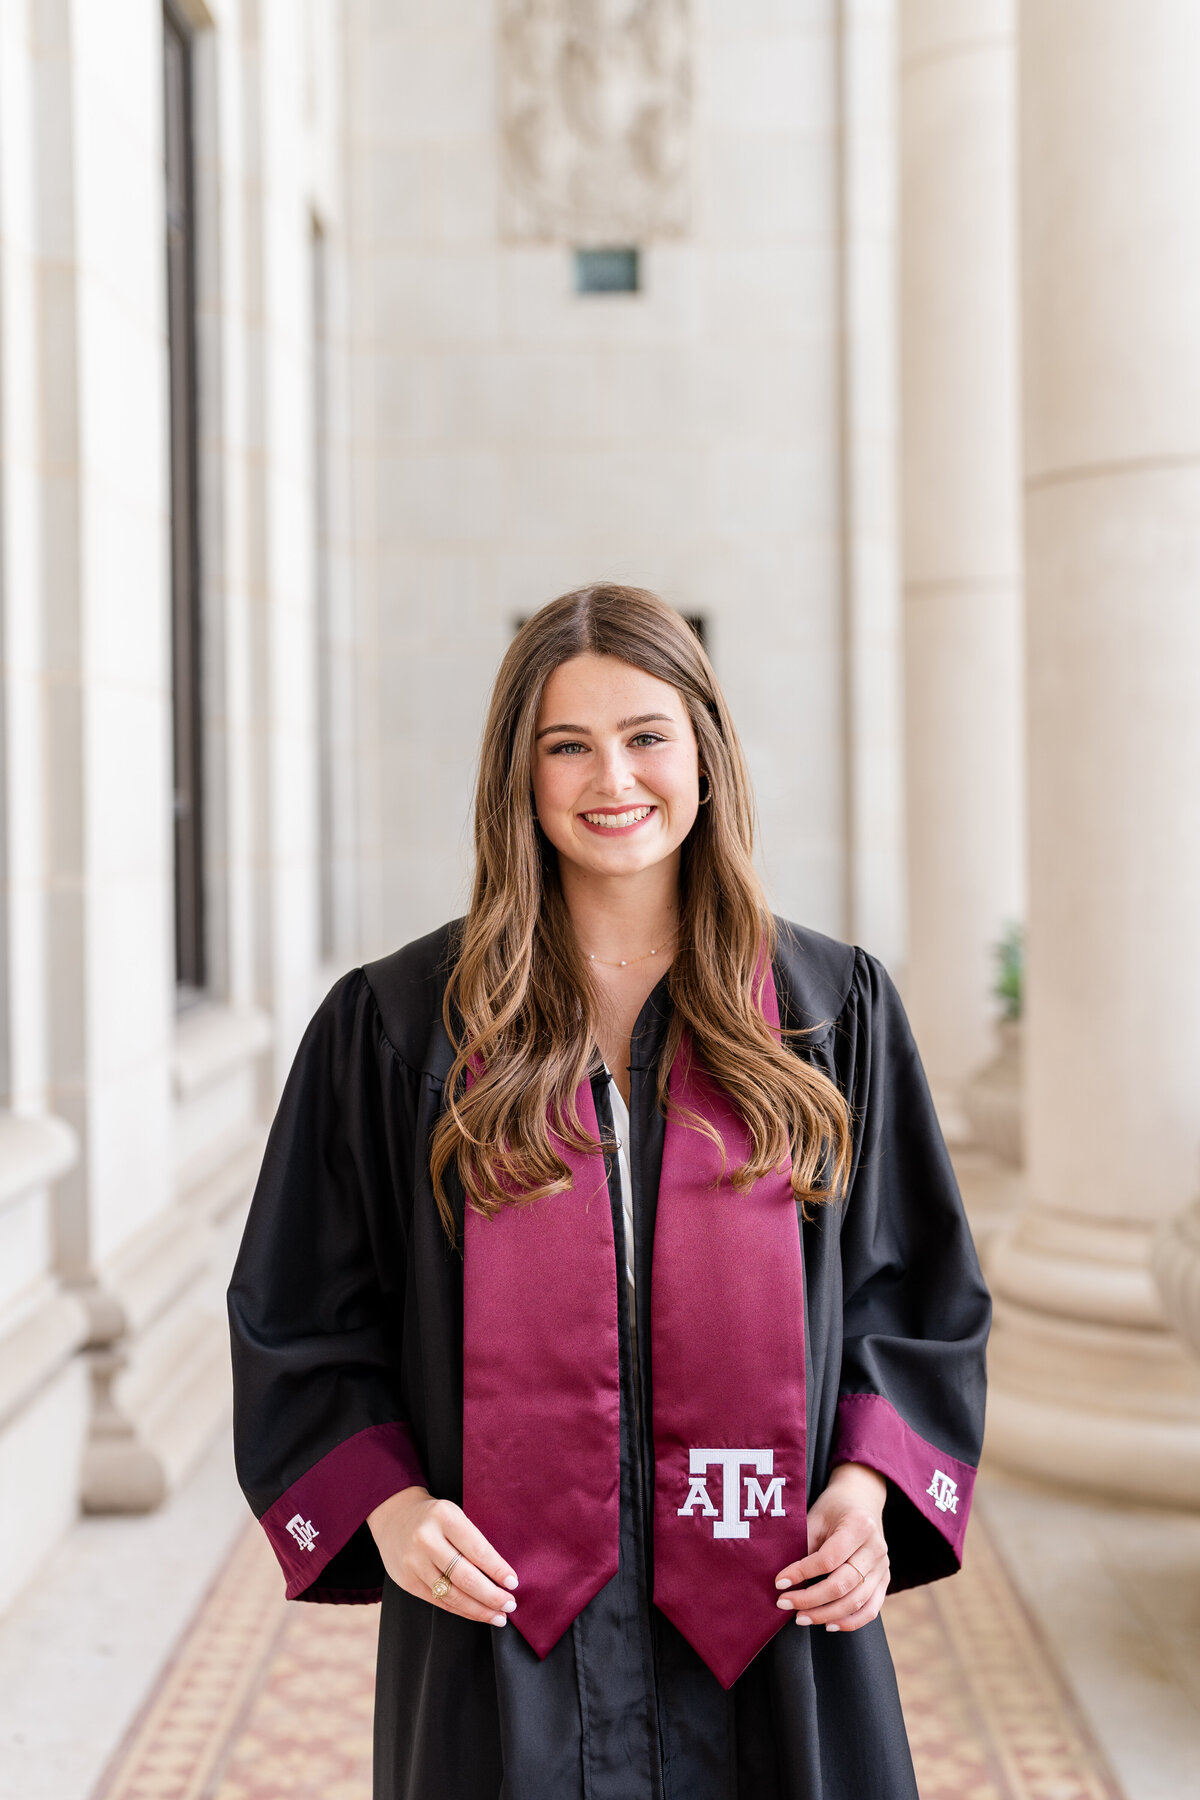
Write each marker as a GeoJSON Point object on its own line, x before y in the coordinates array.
{"type": "Point", "coordinates": [541, 1386]}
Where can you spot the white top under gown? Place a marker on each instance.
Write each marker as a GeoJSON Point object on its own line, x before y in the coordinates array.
{"type": "Point", "coordinates": [620, 1114]}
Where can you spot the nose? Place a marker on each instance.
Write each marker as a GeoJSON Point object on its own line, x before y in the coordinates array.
{"type": "Point", "coordinates": [614, 775]}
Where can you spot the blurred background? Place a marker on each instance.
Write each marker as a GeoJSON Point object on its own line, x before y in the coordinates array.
{"type": "Point", "coordinates": [336, 336]}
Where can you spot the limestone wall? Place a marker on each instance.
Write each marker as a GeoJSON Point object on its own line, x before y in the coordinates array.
{"type": "Point", "coordinates": [131, 1125]}
{"type": "Point", "coordinates": [717, 435]}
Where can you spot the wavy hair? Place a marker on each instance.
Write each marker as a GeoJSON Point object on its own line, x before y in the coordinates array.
{"type": "Point", "coordinates": [520, 1006]}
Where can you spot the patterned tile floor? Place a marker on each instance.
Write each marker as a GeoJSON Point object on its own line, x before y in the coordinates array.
{"type": "Point", "coordinates": [266, 1702]}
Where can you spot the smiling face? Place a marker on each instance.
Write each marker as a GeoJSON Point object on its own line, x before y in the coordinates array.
{"type": "Point", "coordinates": [615, 768]}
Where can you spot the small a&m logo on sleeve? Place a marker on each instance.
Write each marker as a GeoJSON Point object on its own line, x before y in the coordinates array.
{"type": "Point", "coordinates": [943, 1492]}
{"type": "Point", "coordinates": [303, 1531]}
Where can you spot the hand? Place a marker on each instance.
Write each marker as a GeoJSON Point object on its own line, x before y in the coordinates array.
{"type": "Point", "coordinates": [417, 1537]}
{"type": "Point", "coordinates": [845, 1532]}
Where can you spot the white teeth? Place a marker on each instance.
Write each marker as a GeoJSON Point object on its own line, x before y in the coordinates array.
{"type": "Point", "coordinates": [614, 821]}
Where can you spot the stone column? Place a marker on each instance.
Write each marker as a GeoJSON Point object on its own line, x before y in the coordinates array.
{"type": "Point", "coordinates": [960, 479]}
{"type": "Point", "coordinates": [43, 1389]}
{"type": "Point", "coordinates": [1088, 1384]}
{"type": "Point", "coordinates": [874, 906]}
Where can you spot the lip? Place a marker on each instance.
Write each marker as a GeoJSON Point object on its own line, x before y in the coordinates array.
{"type": "Point", "coordinates": [615, 831]}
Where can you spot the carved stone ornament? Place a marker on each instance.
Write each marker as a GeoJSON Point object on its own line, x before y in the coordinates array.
{"type": "Point", "coordinates": [594, 117]}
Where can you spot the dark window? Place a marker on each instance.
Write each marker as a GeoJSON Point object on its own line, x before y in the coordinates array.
{"type": "Point", "coordinates": [613, 271]}
{"type": "Point", "coordinates": [185, 548]}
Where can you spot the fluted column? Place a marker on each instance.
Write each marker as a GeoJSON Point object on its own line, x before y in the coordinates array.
{"type": "Point", "coordinates": [961, 523]}
{"type": "Point", "coordinates": [1088, 1384]}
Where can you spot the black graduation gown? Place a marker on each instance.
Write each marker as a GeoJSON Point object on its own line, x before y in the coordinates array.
{"type": "Point", "coordinates": [346, 1315]}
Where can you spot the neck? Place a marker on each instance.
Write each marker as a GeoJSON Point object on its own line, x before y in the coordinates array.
{"type": "Point", "coordinates": [618, 916]}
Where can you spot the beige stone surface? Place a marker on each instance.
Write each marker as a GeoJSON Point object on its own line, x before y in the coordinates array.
{"type": "Point", "coordinates": [1090, 1384]}
{"type": "Point", "coordinates": [514, 439]}
{"type": "Point", "coordinates": [129, 1139]}
{"type": "Point", "coordinates": [1116, 1592]}
{"type": "Point", "coordinates": [960, 481]}
{"type": "Point", "coordinates": [43, 1386]}
{"type": "Point", "coordinates": [1110, 271]}
{"type": "Point", "coordinates": [85, 1642]}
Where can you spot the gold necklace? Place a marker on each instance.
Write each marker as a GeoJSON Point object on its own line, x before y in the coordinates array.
{"type": "Point", "coordinates": [644, 957]}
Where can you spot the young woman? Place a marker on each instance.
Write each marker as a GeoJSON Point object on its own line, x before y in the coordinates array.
{"type": "Point", "coordinates": [606, 1300]}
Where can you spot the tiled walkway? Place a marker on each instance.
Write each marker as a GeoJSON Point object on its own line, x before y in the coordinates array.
{"type": "Point", "coordinates": [266, 1702]}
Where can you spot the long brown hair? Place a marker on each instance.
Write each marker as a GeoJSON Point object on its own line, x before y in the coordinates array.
{"type": "Point", "coordinates": [520, 1006]}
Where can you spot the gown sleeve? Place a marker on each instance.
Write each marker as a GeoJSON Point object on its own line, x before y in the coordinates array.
{"type": "Point", "coordinates": [916, 1311]}
{"type": "Point", "coordinates": [316, 1303]}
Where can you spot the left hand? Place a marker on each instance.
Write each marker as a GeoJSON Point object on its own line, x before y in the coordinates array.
{"type": "Point", "coordinates": [847, 1549]}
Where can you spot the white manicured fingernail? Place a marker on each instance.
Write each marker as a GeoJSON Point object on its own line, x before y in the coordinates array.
{"type": "Point", "coordinates": [510, 1581]}
{"type": "Point", "coordinates": [782, 1581]}
{"type": "Point", "coordinates": [801, 1619]}
{"type": "Point", "coordinates": [833, 1628]}
{"type": "Point", "coordinates": [499, 1619]}
{"type": "Point", "coordinates": [510, 1606]}
{"type": "Point", "coordinates": [785, 1603]}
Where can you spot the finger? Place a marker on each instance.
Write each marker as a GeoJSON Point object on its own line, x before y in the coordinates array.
{"type": "Point", "coordinates": [843, 1547]}
{"type": "Point", "coordinates": [470, 1540]}
{"type": "Point", "coordinates": [835, 1588]}
{"type": "Point", "coordinates": [862, 1558]}
{"type": "Point", "coordinates": [850, 1534]}
{"type": "Point", "coordinates": [837, 1612]}
{"type": "Point", "coordinates": [870, 1609]}
{"type": "Point", "coordinates": [456, 1599]}
{"type": "Point", "coordinates": [862, 1615]}
{"type": "Point", "coordinates": [867, 1563]}
{"type": "Point", "coordinates": [469, 1579]}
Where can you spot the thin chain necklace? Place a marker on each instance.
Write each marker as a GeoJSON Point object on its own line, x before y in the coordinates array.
{"type": "Point", "coordinates": [626, 961]}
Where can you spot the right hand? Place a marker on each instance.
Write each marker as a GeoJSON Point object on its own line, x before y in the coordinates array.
{"type": "Point", "coordinates": [417, 1536]}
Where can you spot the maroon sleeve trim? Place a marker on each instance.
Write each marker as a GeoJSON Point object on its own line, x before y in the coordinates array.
{"type": "Point", "coordinates": [870, 1430]}
{"type": "Point", "coordinates": [319, 1514]}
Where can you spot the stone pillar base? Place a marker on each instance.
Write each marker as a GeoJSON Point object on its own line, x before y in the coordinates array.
{"type": "Point", "coordinates": [159, 1347]}
{"type": "Point", "coordinates": [1088, 1386]}
{"type": "Point", "coordinates": [121, 1475]}
{"type": "Point", "coordinates": [1149, 1461]}
{"type": "Point", "coordinates": [139, 1450]}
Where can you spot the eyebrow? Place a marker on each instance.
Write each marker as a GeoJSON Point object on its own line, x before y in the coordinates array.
{"type": "Point", "coordinates": [622, 724]}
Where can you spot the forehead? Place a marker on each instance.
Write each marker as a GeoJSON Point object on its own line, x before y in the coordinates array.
{"type": "Point", "coordinates": [595, 690]}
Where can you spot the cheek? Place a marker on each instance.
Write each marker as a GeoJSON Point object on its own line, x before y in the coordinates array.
{"type": "Point", "coordinates": [676, 777]}
{"type": "Point", "coordinates": [554, 782]}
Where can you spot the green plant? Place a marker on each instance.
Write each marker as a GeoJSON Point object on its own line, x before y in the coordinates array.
{"type": "Point", "coordinates": [1009, 956]}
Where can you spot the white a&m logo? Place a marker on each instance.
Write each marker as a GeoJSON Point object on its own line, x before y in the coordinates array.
{"type": "Point", "coordinates": [729, 1523]}
{"type": "Point", "coordinates": [943, 1492]}
{"type": "Point", "coordinates": [303, 1532]}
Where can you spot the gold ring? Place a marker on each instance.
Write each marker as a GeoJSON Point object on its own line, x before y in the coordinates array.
{"type": "Point", "coordinates": [443, 1584]}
